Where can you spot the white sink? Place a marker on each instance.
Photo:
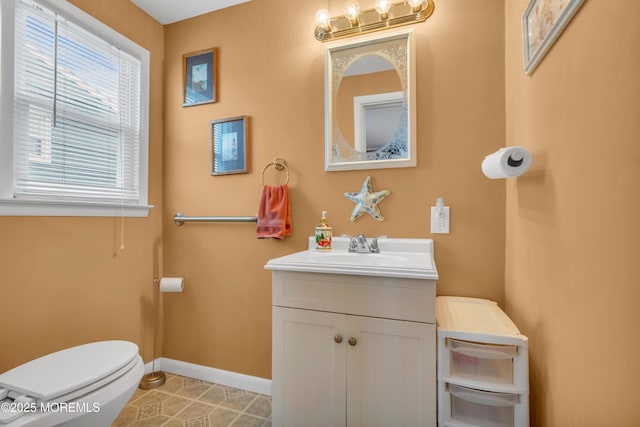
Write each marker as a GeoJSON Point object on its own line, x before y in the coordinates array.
{"type": "Point", "coordinates": [403, 258]}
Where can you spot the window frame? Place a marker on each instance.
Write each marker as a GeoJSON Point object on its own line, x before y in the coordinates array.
{"type": "Point", "coordinates": [44, 206]}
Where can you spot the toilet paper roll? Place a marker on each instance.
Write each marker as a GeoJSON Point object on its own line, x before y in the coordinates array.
{"type": "Point", "coordinates": [171, 284]}
{"type": "Point", "coordinates": [506, 163]}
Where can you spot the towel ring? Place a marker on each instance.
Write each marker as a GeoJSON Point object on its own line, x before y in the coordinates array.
{"type": "Point", "coordinates": [279, 164]}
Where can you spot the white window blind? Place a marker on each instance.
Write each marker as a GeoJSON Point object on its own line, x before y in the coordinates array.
{"type": "Point", "coordinates": [77, 121]}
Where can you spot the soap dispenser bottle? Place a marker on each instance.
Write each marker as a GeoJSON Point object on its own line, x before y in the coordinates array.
{"type": "Point", "coordinates": [324, 233]}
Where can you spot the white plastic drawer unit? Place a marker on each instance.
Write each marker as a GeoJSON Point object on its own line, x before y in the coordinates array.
{"type": "Point", "coordinates": [490, 363]}
{"type": "Point", "coordinates": [471, 407]}
{"type": "Point", "coordinates": [480, 347]}
{"type": "Point", "coordinates": [483, 365]}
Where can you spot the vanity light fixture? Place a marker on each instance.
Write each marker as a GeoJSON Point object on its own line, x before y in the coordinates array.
{"type": "Point", "coordinates": [382, 7]}
{"type": "Point", "coordinates": [415, 4]}
{"type": "Point", "coordinates": [386, 14]}
{"type": "Point", "coordinates": [351, 12]}
{"type": "Point", "coordinates": [323, 20]}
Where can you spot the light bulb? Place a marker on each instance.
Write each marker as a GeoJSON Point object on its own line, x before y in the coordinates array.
{"type": "Point", "coordinates": [323, 19]}
{"type": "Point", "coordinates": [382, 7]}
{"type": "Point", "coordinates": [351, 11]}
{"type": "Point", "coordinates": [415, 4]}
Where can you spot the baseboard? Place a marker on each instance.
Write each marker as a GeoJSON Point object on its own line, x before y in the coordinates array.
{"type": "Point", "coordinates": [218, 376]}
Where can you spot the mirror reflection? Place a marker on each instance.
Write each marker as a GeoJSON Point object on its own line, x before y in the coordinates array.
{"type": "Point", "coordinates": [369, 104]}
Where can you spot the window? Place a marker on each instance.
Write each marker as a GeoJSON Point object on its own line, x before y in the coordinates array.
{"type": "Point", "coordinates": [75, 139]}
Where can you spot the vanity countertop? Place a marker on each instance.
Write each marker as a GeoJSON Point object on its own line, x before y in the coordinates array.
{"type": "Point", "coordinates": [401, 258]}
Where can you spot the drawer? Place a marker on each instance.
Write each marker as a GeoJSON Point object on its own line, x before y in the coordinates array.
{"type": "Point", "coordinates": [482, 408]}
{"type": "Point", "coordinates": [490, 363]}
{"type": "Point", "coordinates": [385, 297]}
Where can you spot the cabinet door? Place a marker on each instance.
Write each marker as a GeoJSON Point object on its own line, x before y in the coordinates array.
{"type": "Point", "coordinates": [308, 368]}
{"type": "Point", "coordinates": [391, 373]}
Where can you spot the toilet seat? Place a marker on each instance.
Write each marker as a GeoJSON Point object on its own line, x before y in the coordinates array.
{"type": "Point", "coordinates": [66, 374]}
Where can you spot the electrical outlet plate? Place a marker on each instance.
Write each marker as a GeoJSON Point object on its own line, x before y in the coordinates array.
{"type": "Point", "coordinates": [439, 222]}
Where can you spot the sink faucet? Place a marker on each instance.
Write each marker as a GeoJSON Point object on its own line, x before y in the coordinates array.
{"type": "Point", "coordinates": [359, 244]}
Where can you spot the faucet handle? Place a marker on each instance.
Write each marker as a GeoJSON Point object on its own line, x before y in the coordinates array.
{"type": "Point", "coordinates": [353, 243]}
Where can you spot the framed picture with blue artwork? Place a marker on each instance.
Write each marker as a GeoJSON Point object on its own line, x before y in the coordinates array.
{"type": "Point", "coordinates": [200, 77]}
{"type": "Point", "coordinates": [229, 142]}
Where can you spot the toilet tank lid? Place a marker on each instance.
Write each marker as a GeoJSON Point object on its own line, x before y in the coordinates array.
{"type": "Point", "coordinates": [68, 370]}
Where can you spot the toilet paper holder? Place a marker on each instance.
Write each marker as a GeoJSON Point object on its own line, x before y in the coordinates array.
{"type": "Point", "coordinates": [157, 378]}
{"type": "Point", "coordinates": [507, 162]}
{"type": "Point", "coordinates": [515, 159]}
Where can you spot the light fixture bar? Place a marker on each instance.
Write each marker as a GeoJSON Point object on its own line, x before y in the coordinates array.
{"type": "Point", "coordinates": [369, 20]}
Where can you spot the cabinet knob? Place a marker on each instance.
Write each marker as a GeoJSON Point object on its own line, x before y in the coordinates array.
{"type": "Point", "coordinates": [338, 339]}
{"type": "Point", "coordinates": [352, 341]}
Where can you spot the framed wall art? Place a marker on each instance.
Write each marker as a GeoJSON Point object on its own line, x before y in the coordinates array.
{"type": "Point", "coordinates": [229, 143]}
{"type": "Point", "coordinates": [542, 23]}
{"type": "Point", "coordinates": [200, 77]}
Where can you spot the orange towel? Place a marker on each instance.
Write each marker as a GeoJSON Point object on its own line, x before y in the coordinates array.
{"type": "Point", "coordinates": [274, 214]}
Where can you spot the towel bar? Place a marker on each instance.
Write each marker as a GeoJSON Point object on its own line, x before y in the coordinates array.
{"type": "Point", "coordinates": [180, 219]}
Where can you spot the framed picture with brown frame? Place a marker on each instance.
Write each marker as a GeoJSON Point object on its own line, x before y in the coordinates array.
{"type": "Point", "coordinates": [229, 145]}
{"type": "Point", "coordinates": [200, 77]}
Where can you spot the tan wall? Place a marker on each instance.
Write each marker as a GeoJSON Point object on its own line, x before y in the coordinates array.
{"type": "Point", "coordinates": [573, 221]}
{"type": "Point", "coordinates": [271, 68]}
{"type": "Point", "coordinates": [65, 281]}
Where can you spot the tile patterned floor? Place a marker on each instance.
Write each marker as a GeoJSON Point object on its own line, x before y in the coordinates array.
{"type": "Point", "coordinates": [188, 402]}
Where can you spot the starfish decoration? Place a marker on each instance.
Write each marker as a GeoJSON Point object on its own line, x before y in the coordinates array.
{"type": "Point", "coordinates": [367, 201]}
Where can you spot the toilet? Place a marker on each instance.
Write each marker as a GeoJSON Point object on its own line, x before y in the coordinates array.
{"type": "Point", "coordinates": [80, 386]}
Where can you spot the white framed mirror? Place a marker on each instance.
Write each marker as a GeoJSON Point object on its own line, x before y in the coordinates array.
{"type": "Point", "coordinates": [370, 103]}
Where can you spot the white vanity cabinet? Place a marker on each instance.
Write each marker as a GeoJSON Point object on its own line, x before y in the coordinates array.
{"type": "Point", "coordinates": [353, 349]}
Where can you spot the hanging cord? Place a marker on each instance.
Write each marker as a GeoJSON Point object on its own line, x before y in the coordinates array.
{"type": "Point", "coordinates": [122, 230]}
{"type": "Point", "coordinates": [122, 180]}
{"type": "Point", "coordinates": [55, 74]}
{"type": "Point", "coordinates": [121, 192]}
